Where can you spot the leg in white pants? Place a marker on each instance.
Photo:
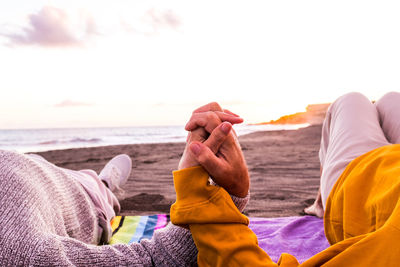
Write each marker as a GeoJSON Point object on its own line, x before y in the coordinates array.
{"type": "Point", "coordinates": [351, 129]}
{"type": "Point", "coordinates": [105, 202]}
{"type": "Point", "coordinates": [389, 116]}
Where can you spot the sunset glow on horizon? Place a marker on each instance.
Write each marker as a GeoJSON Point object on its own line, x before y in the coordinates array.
{"type": "Point", "coordinates": [94, 64]}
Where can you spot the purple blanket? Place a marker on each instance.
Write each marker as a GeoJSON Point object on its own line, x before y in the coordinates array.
{"type": "Point", "coordinates": [301, 237]}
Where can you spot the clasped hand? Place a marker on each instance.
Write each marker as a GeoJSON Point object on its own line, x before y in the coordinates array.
{"type": "Point", "coordinates": [213, 144]}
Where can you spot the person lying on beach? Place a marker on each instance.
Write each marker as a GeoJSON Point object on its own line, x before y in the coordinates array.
{"type": "Point", "coordinates": [360, 191]}
{"type": "Point", "coordinates": [377, 125]}
{"type": "Point", "coordinates": [51, 216]}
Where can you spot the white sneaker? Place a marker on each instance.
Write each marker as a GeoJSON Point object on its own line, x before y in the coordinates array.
{"type": "Point", "coordinates": [116, 172]}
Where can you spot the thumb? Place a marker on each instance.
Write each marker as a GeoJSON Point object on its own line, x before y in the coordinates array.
{"type": "Point", "coordinates": [206, 158]}
{"type": "Point", "coordinates": [218, 136]}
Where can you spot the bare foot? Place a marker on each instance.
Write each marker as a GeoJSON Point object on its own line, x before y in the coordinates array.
{"type": "Point", "coordinates": [316, 209]}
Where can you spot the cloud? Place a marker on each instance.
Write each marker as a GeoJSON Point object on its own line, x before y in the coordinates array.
{"type": "Point", "coordinates": [153, 21]}
{"type": "Point", "coordinates": [71, 103]}
{"type": "Point", "coordinates": [52, 27]}
{"type": "Point", "coordinates": [164, 18]}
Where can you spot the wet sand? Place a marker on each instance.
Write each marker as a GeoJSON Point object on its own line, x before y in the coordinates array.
{"type": "Point", "coordinates": [283, 166]}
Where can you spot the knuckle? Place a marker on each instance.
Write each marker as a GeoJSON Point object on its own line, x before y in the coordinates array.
{"type": "Point", "coordinates": [201, 121]}
{"type": "Point", "coordinates": [214, 106]}
{"type": "Point", "coordinates": [213, 117]}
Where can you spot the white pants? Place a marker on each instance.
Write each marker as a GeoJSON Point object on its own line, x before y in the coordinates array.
{"type": "Point", "coordinates": [105, 202]}
{"type": "Point", "coordinates": [352, 127]}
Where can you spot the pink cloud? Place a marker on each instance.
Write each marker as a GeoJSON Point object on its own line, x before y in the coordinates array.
{"type": "Point", "coordinates": [71, 103]}
{"type": "Point", "coordinates": [153, 21]}
{"type": "Point", "coordinates": [52, 27]}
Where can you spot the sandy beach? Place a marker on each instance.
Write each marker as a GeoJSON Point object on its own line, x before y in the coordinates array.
{"type": "Point", "coordinates": [283, 166]}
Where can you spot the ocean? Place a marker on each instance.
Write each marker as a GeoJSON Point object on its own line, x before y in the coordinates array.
{"type": "Point", "coordinates": [35, 140]}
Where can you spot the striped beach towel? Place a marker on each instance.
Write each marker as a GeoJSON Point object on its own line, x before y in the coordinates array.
{"type": "Point", "coordinates": [130, 229]}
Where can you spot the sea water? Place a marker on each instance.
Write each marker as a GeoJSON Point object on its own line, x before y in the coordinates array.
{"type": "Point", "coordinates": [35, 140]}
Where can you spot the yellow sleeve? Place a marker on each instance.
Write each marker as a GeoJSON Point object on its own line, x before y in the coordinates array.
{"type": "Point", "coordinates": [219, 230]}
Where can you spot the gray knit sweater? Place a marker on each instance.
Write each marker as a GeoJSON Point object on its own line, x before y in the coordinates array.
{"type": "Point", "coordinates": [47, 219]}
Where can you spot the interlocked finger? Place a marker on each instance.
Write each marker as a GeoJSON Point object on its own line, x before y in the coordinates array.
{"type": "Point", "coordinates": [218, 136]}
{"type": "Point", "coordinates": [210, 120]}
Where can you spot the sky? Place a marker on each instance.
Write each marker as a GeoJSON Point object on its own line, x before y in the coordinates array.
{"type": "Point", "coordinates": [99, 63]}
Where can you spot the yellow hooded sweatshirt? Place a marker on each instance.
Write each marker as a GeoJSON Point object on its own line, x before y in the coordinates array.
{"type": "Point", "coordinates": [362, 218]}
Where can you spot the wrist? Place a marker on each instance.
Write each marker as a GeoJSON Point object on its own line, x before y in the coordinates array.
{"type": "Point", "coordinates": [241, 202]}
{"type": "Point", "coordinates": [186, 161]}
{"type": "Point", "coordinates": [239, 190]}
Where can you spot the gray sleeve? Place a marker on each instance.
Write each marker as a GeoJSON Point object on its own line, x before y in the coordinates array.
{"type": "Point", "coordinates": [170, 246]}
{"type": "Point", "coordinates": [241, 203]}
{"type": "Point", "coordinates": [174, 246]}
{"type": "Point", "coordinates": [57, 250]}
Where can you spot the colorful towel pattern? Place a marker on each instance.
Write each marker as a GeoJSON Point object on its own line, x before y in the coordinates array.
{"type": "Point", "coordinates": [129, 229]}
{"type": "Point", "coordinates": [302, 236]}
